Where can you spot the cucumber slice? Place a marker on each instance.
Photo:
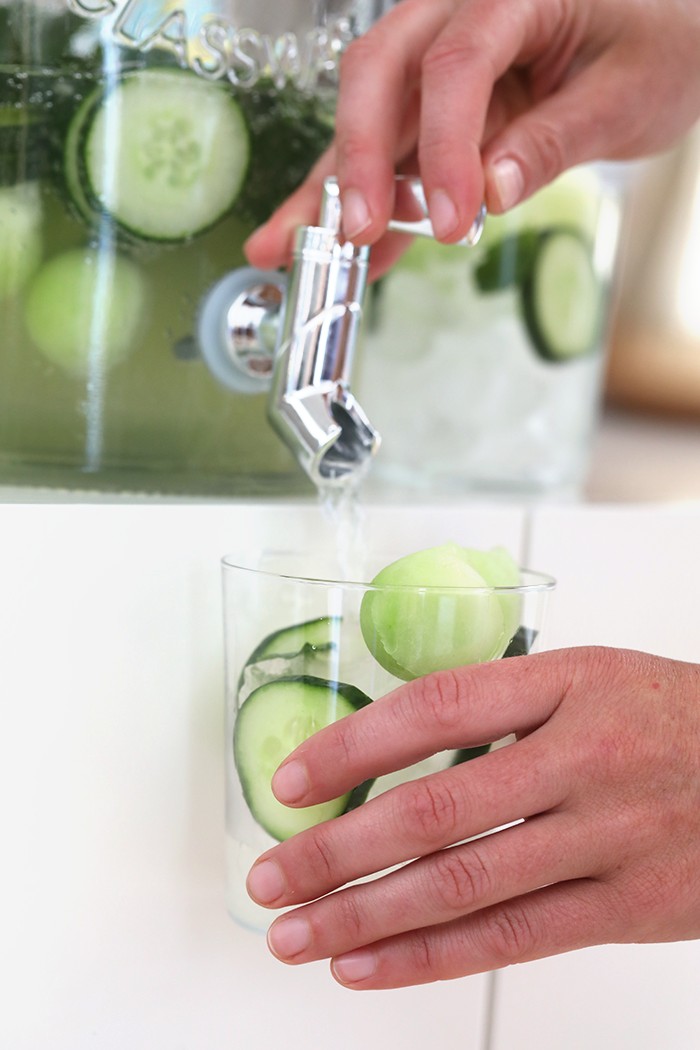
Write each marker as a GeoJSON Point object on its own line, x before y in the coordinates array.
{"type": "Point", "coordinates": [302, 649]}
{"type": "Point", "coordinates": [522, 642]}
{"type": "Point", "coordinates": [20, 236]}
{"type": "Point", "coordinates": [466, 754]}
{"type": "Point", "coordinates": [507, 262]}
{"type": "Point", "coordinates": [271, 723]}
{"type": "Point", "coordinates": [562, 298]}
{"type": "Point", "coordinates": [72, 165]}
{"type": "Point", "coordinates": [165, 153]}
{"type": "Point", "coordinates": [84, 309]}
{"type": "Point", "coordinates": [318, 634]}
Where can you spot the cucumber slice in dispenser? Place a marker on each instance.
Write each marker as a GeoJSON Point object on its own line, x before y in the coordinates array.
{"type": "Point", "coordinates": [562, 297]}
{"type": "Point", "coordinates": [164, 153]}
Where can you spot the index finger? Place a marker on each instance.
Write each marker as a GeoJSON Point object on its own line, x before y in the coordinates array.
{"type": "Point", "coordinates": [449, 709]}
{"type": "Point", "coordinates": [376, 99]}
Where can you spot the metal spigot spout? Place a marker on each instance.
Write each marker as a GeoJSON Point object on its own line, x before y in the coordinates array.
{"type": "Point", "coordinates": [311, 405]}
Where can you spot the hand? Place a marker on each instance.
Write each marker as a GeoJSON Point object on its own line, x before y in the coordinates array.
{"type": "Point", "coordinates": [603, 784]}
{"type": "Point", "coordinates": [492, 100]}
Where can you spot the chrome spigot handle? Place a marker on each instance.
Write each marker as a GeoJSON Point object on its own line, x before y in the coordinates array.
{"type": "Point", "coordinates": [410, 212]}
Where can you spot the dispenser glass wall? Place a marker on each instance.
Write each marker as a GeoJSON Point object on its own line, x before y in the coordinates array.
{"type": "Point", "coordinates": [140, 144]}
{"type": "Point", "coordinates": [481, 366]}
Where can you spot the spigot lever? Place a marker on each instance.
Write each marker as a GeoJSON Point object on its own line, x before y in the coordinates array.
{"type": "Point", "coordinates": [310, 404]}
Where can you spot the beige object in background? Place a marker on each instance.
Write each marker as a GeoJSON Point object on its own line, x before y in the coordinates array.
{"type": "Point", "coordinates": [654, 361]}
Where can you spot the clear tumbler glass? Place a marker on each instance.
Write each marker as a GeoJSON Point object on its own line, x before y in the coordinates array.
{"type": "Point", "coordinates": [303, 649]}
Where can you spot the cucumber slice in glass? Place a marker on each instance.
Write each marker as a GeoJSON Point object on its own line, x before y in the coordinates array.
{"type": "Point", "coordinates": [271, 723]}
{"type": "Point", "coordinates": [166, 153]}
{"type": "Point", "coordinates": [302, 649]}
{"type": "Point", "coordinates": [317, 634]}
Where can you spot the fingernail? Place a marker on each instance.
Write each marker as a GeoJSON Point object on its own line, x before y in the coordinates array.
{"type": "Point", "coordinates": [355, 966]}
{"type": "Point", "coordinates": [290, 782]}
{"type": "Point", "coordinates": [507, 182]}
{"type": "Point", "coordinates": [443, 214]}
{"type": "Point", "coordinates": [356, 216]}
{"type": "Point", "coordinates": [288, 937]}
{"type": "Point", "coordinates": [265, 883]}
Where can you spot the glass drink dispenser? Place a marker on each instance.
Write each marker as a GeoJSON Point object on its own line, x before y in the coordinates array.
{"type": "Point", "coordinates": [141, 141]}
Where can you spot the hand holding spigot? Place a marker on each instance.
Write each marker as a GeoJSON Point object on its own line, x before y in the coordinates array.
{"type": "Point", "coordinates": [316, 313]}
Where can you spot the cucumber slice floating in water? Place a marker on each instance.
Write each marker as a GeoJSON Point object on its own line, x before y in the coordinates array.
{"type": "Point", "coordinates": [271, 723]}
{"type": "Point", "coordinates": [72, 158]}
{"type": "Point", "coordinates": [562, 298]}
{"type": "Point", "coordinates": [507, 262]}
{"type": "Point", "coordinates": [165, 153]}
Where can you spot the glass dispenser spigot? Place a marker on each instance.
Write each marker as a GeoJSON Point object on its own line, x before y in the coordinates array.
{"type": "Point", "coordinates": [317, 313]}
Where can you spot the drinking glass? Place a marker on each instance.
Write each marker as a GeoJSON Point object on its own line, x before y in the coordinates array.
{"type": "Point", "coordinates": [300, 653]}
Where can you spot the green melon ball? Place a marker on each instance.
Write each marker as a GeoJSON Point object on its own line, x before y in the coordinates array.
{"type": "Point", "coordinates": [437, 609]}
{"type": "Point", "coordinates": [84, 310]}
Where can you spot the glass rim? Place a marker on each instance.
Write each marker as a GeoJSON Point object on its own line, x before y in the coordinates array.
{"type": "Point", "coordinates": [533, 581]}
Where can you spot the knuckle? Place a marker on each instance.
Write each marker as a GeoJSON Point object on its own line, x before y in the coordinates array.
{"type": "Point", "coordinates": [439, 701]}
{"type": "Point", "coordinates": [462, 880]}
{"type": "Point", "coordinates": [509, 935]}
{"type": "Point", "coordinates": [359, 55]}
{"type": "Point", "coordinates": [351, 148]}
{"type": "Point", "coordinates": [422, 956]}
{"type": "Point", "coordinates": [318, 853]}
{"type": "Point", "coordinates": [431, 811]}
{"type": "Point", "coordinates": [549, 150]}
{"type": "Point", "coordinates": [346, 743]}
{"type": "Point", "coordinates": [446, 59]}
{"type": "Point", "coordinates": [348, 916]}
